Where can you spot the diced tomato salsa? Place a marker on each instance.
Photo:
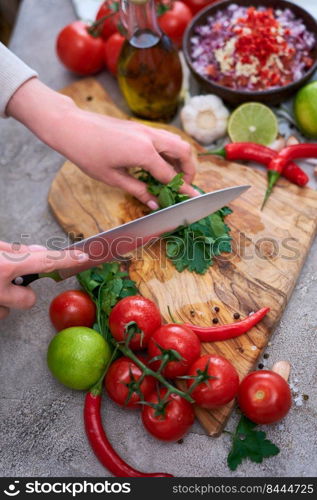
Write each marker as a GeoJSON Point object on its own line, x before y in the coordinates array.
{"type": "Point", "coordinates": [250, 48]}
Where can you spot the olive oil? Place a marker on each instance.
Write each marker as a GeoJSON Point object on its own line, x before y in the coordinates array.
{"type": "Point", "coordinates": [149, 68]}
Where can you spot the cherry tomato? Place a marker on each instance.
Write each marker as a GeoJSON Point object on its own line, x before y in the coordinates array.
{"type": "Point", "coordinates": [121, 376]}
{"type": "Point", "coordinates": [134, 313]}
{"type": "Point", "coordinates": [174, 21]}
{"type": "Point", "coordinates": [218, 391]}
{"type": "Point", "coordinates": [264, 397]}
{"type": "Point", "coordinates": [177, 418]}
{"type": "Point", "coordinates": [72, 308]}
{"type": "Point", "coordinates": [181, 339]}
{"type": "Point", "coordinates": [197, 5]}
{"type": "Point", "coordinates": [112, 51]}
{"type": "Point", "coordinates": [79, 51]}
{"type": "Point", "coordinates": [110, 8]}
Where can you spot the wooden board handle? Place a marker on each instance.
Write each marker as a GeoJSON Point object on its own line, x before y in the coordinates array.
{"type": "Point", "coordinates": [283, 368]}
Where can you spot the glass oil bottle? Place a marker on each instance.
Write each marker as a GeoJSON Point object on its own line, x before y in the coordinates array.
{"type": "Point", "coordinates": [149, 68]}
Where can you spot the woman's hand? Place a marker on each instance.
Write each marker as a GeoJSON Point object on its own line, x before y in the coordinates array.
{"type": "Point", "coordinates": [103, 147]}
{"type": "Point", "coordinates": [20, 260]}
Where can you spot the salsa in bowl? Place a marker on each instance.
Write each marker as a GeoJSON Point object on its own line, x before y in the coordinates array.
{"type": "Point", "coordinates": [262, 50]}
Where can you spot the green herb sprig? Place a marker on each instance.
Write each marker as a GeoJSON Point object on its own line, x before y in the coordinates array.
{"type": "Point", "coordinates": [249, 443]}
{"type": "Point", "coordinates": [106, 285]}
{"type": "Point", "coordinates": [192, 247]}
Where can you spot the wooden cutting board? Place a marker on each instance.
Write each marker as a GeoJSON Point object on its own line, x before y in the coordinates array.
{"type": "Point", "coordinates": [270, 247]}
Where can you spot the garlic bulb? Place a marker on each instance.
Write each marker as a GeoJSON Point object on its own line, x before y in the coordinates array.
{"type": "Point", "coordinates": [205, 118]}
{"type": "Point", "coordinates": [278, 144]}
{"type": "Point", "coordinates": [292, 141]}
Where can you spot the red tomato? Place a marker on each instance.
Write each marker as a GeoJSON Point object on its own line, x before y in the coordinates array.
{"type": "Point", "coordinates": [174, 423]}
{"type": "Point", "coordinates": [197, 5]}
{"type": "Point", "coordinates": [112, 51]}
{"type": "Point", "coordinates": [110, 24]}
{"type": "Point", "coordinates": [72, 308]}
{"type": "Point", "coordinates": [264, 397]}
{"type": "Point", "coordinates": [79, 51]}
{"type": "Point", "coordinates": [121, 373]}
{"type": "Point", "coordinates": [218, 391]}
{"type": "Point", "coordinates": [136, 313]}
{"type": "Point", "coordinates": [181, 339]}
{"type": "Point", "coordinates": [174, 21]}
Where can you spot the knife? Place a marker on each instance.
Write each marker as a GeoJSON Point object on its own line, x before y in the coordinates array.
{"type": "Point", "coordinates": [117, 243]}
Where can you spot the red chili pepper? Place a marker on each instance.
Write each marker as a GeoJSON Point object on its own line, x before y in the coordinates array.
{"type": "Point", "coordinates": [249, 151]}
{"type": "Point", "coordinates": [291, 153]}
{"type": "Point", "coordinates": [226, 332]}
{"type": "Point", "coordinates": [100, 443]}
{"type": "Point", "coordinates": [278, 164]}
{"type": "Point", "coordinates": [295, 174]}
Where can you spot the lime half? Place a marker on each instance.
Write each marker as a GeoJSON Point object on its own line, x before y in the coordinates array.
{"type": "Point", "coordinates": [253, 122]}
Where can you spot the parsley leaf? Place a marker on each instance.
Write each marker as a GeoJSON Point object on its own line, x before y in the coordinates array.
{"type": "Point", "coordinates": [249, 443]}
{"type": "Point", "coordinates": [106, 285]}
{"type": "Point", "coordinates": [167, 194]}
{"type": "Point", "coordinates": [192, 247]}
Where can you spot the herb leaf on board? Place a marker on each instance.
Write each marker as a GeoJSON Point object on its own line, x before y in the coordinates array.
{"type": "Point", "coordinates": [192, 247]}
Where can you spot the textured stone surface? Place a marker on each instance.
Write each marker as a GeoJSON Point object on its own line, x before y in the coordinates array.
{"type": "Point", "coordinates": [41, 431]}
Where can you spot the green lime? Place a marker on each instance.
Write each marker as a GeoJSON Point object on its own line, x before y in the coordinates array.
{"type": "Point", "coordinates": [305, 109]}
{"type": "Point", "coordinates": [77, 357]}
{"type": "Point", "coordinates": [253, 122]}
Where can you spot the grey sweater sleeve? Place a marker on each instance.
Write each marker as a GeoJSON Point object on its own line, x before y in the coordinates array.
{"type": "Point", "coordinates": [13, 73]}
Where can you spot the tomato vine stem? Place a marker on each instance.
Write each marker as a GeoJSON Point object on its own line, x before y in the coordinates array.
{"type": "Point", "coordinates": [158, 376]}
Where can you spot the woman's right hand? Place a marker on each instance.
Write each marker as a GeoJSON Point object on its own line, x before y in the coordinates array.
{"type": "Point", "coordinates": [18, 260]}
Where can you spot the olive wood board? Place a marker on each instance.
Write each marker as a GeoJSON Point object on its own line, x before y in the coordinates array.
{"type": "Point", "coordinates": [269, 247]}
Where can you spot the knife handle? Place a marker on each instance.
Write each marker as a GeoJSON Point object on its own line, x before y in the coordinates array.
{"type": "Point", "coordinates": [27, 279]}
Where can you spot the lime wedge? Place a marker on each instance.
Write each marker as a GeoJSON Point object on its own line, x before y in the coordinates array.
{"type": "Point", "coordinates": [253, 122]}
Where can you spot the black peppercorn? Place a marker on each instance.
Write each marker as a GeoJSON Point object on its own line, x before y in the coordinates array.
{"type": "Point", "coordinates": [236, 315]}
{"type": "Point", "coordinates": [260, 366]}
{"type": "Point", "coordinates": [215, 320]}
{"type": "Point", "coordinates": [216, 309]}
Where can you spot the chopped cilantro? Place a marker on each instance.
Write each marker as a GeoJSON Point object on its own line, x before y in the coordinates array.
{"type": "Point", "coordinates": [192, 247]}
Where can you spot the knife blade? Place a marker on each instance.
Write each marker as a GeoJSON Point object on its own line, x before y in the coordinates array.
{"type": "Point", "coordinates": [117, 243]}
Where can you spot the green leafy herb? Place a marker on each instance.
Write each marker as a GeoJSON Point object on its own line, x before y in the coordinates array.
{"type": "Point", "coordinates": [249, 443]}
{"type": "Point", "coordinates": [167, 194]}
{"type": "Point", "coordinates": [106, 285]}
{"type": "Point", "coordinates": [192, 247]}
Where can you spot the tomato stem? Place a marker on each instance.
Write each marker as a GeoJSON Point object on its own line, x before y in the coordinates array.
{"type": "Point", "coordinates": [171, 315]}
{"type": "Point", "coordinates": [158, 376]}
{"type": "Point", "coordinates": [130, 330]}
{"type": "Point", "coordinates": [201, 377]}
{"type": "Point", "coordinates": [96, 27]}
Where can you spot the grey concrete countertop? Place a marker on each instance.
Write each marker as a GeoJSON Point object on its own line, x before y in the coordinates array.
{"type": "Point", "coordinates": [41, 422]}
